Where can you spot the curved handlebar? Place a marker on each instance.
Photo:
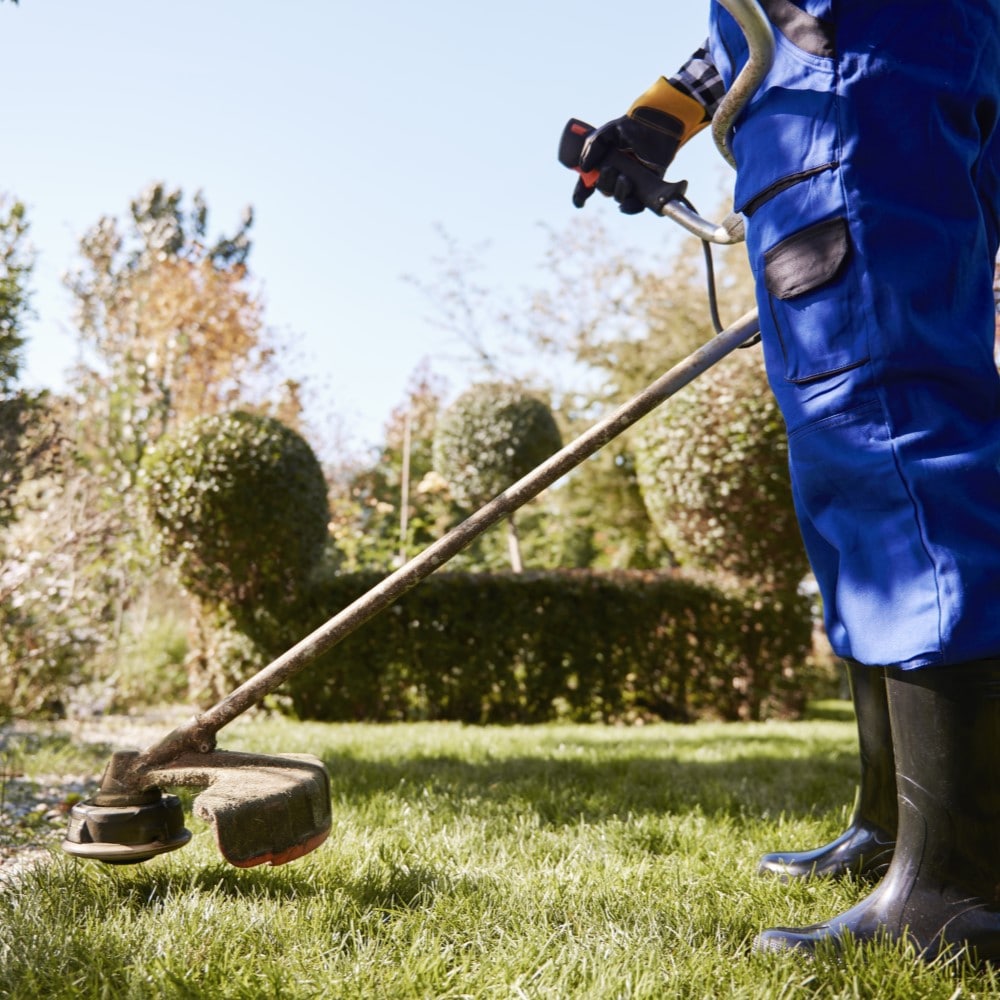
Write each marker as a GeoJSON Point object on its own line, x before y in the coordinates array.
{"type": "Point", "coordinates": [760, 41]}
{"type": "Point", "coordinates": [757, 30]}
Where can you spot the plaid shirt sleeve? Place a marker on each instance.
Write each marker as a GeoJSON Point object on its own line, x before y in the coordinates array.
{"type": "Point", "coordinates": [698, 78]}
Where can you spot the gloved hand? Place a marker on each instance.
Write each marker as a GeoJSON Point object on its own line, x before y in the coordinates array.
{"type": "Point", "coordinates": [652, 131]}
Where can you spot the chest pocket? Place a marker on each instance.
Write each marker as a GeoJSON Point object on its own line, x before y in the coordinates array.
{"type": "Point", "coordinates": [812, 33]}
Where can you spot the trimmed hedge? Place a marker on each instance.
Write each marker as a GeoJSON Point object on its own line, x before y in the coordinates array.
{"type": "Point", "coordinates": [529, 647]}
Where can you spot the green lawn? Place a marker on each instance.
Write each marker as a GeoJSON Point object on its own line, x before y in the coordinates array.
{"type": "Point", "coordinates": [552, 861]}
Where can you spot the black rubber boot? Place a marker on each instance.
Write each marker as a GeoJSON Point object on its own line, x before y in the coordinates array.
{"type": "Point", "coordinates": [864, 850]}
{"type": "Point", "coordinates": [942, 889]}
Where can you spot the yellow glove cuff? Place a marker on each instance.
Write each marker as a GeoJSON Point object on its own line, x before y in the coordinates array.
{"type": "Point", "coordinates": [664, 96]}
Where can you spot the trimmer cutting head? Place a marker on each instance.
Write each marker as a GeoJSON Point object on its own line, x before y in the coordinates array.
{"type": "Point", "coordinates": [264, 809]}
{"type": "Point", "coordinates": [126, 833]}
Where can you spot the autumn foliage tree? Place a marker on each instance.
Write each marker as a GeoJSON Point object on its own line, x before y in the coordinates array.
{"type": "Point", "coordinates": [170, 326]}
{"type": "Point", "coordinates": [19, 409]}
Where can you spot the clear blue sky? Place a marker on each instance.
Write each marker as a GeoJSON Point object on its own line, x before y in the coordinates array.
{"type": "Point", "coordinates": [355, 130]}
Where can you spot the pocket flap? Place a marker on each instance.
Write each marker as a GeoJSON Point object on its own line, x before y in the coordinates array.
{"type": "Point", "coordinates": [806, 259]}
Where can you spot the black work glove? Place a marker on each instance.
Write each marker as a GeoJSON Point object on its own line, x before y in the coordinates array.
{"type": "Point", "coordinates": [652, 146]}
{"type": "Point", "coordinates": [656, 126]}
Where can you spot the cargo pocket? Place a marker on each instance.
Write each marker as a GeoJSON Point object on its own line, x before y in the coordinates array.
{"type": "Point", "coordinates": [812, 301]}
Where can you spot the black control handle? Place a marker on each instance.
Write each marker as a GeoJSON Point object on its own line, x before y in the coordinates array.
{"type": "Point", "coordinates": [653, 192]}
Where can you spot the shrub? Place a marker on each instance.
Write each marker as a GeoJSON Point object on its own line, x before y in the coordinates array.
{"type": "Point", "coordinates": [238, 507]}
{"type": "Point", "coordinates": [713, 468]}
{"type": "Point", "coordinates": [490, 437]}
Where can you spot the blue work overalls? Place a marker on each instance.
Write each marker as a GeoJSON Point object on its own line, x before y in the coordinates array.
{"type": "Point", "coordinates": [868, 170]}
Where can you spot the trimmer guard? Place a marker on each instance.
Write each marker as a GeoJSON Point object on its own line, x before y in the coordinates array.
{"type": "Point", "coordinates": [265, 809]}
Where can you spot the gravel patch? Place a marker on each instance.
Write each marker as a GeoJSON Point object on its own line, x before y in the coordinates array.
{"type": "Point", "coordinates": [33, 817]}
{"type": "Point", "coordinates": [34, 809]}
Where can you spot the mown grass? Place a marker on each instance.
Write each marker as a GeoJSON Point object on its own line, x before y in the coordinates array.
{"type": "Point", "coordinates": [551, 861]}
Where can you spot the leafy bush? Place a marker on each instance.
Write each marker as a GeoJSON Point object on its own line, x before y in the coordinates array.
{"type": "Point", "coordinates": [713, 468]}
{"type": "Point", "coordinates": [490, 437]}
{"type": "Point", "coordinates": [58, 613]}
{"type": "Point", "coordinates": [238, 506]}
{"type": "Point", "coordinates": [45, 641]}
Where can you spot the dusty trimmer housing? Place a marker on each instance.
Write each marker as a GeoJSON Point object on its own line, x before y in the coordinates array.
{"type": "Point", "coordinates": [265, 809]}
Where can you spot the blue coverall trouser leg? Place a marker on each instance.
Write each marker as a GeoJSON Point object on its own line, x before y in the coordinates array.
{"type": "Point", "coordinates": [868, 171]}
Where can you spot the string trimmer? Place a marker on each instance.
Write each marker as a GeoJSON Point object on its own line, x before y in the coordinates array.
{"type": "Point", "coordinates": [273, 809]}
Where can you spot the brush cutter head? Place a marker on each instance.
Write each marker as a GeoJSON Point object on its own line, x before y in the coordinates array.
{"type": "Point", "coordinates": [264, 809]}
{"type": "Point", "coordinates": [125, 834]}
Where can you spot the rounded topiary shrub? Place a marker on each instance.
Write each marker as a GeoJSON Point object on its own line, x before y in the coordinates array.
{"type": "Point", "coordinates": [238, 506]}
{"type": "Point", "coordinates": [712, 464]}
{"type": "Point", "coordinates": [491, 436]}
